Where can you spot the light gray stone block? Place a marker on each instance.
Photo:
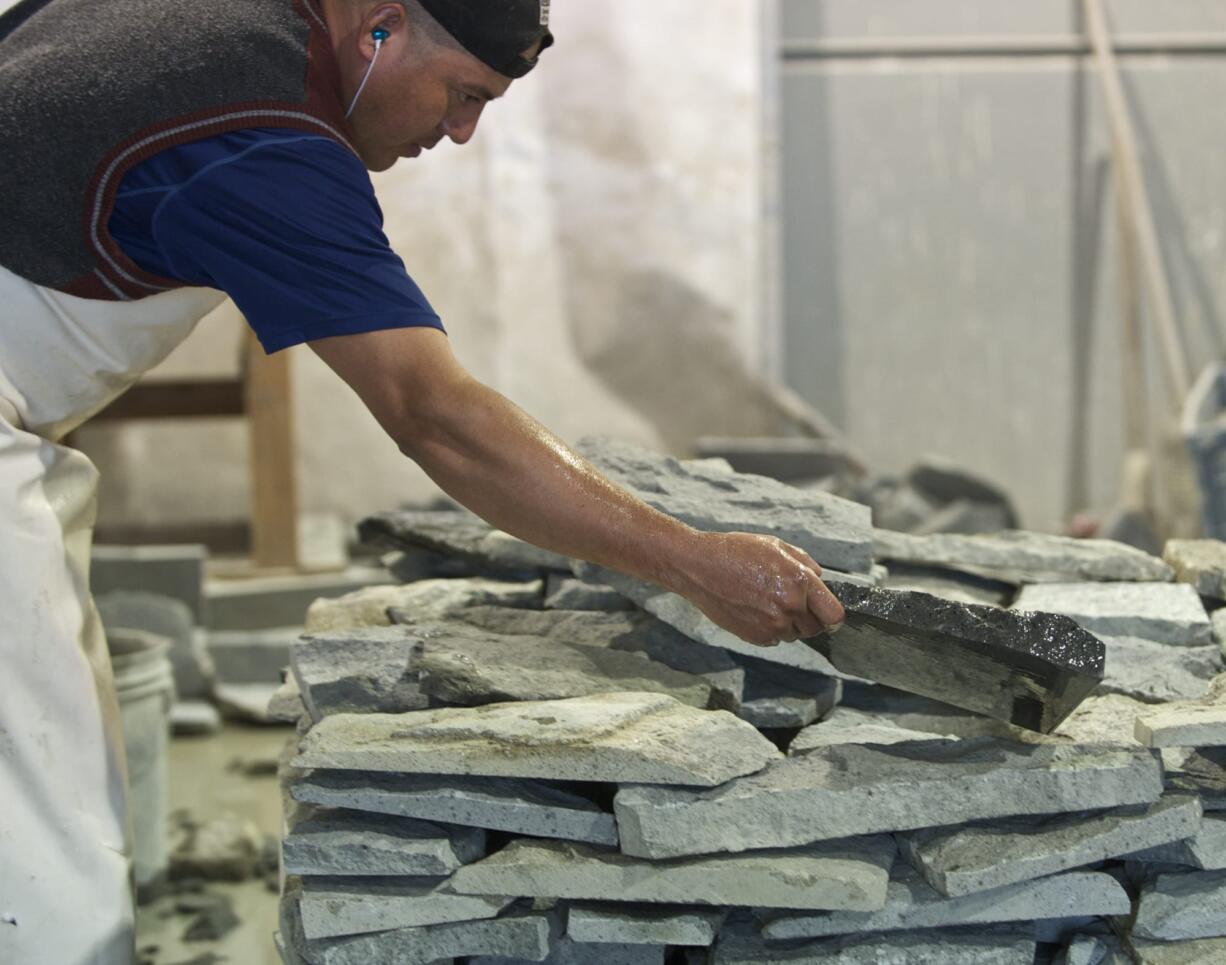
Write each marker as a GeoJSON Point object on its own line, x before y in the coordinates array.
{"type": "Point", "coordinates": [846, 725]}
{"type": "Point", "coordinates": [836, 792]}
{"type": "Point", "coordinates": [570, 593]}
{"type": "Point", "coordinates": [645, 738]}
{"type": "Point", "coordinates": [1022, 557]}
{"type": "Point", "coordinates": [835, 532]}
{"type": "Point", "coordinates": [333, 907]}
{"type": "Point", "coordinates": [998, 946]}
{"type": "Point", "coordinates": [911, 903]}
{"type": "Point", "coordinates": [835, 875]}
{"type": "Point", "coordinates": [1201, 563]}
{"type": "Point", "coordinates": [644, 924]}
{"type": "Point", "coordinates": [632, 632]}
{"type": "Point", "coordinates": [462, 664]}
{"type": "Point", "coordinates": [981, 857]}
{"type": "Point", "coordinates": [1183, 906]}
{"type": "Point", "coordinates": [359, 845]}
{"type": "Point", "coordinates": [499, 804]}
{"type": "Point", "coordinates": [1183, 725]}
{"type": "Point", "coordinates": [527, 936]}
{"type": "Point", "coordinates": [357, 671]}
{"type": "Point", "coordinates": [1204, 848]}
{"type": "Point", "coordinates": [1204, 951]}
{"type": "Point", "coordinates": [427, 600]}
{"type": "Point", "coordinates": [1157, 672]}
{"type": "Point", "coordinates": [1164, 612]}
{"type": "Point", "coordinates": [567, 951]}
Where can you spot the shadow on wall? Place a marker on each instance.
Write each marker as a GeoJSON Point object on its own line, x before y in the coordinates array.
{"type": "Point", "coordinates": [666, 351]}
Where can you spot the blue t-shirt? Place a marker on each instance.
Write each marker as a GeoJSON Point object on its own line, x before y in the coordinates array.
{"type": "Point", "coordinates": [284, 222]}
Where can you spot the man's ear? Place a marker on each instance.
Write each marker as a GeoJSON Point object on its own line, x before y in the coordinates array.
{"type": "Point", "coordinates": [390, 17]}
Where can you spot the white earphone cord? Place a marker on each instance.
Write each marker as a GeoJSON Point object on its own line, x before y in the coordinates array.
{"type": "Point", "coordinates": [365, 77]}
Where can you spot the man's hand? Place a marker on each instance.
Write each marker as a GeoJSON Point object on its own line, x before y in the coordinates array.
{"type": "Point", "coordinates": [495, 459]}
{"type": "Point", "coordinates": [759, 588]}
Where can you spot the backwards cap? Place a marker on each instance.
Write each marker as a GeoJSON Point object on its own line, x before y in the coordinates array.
{"type": "Point", "coordinates": [496, 32]}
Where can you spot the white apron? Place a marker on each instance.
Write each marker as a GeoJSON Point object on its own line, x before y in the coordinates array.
{"type": "Point", "coordinates": [65, 865]}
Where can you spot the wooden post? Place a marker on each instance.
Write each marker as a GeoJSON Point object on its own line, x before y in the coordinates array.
{"type": "Point", "coordinates": [274, 493]}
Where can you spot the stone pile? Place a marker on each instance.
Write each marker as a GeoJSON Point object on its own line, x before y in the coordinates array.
{"type": "Point", "coordinates": [510, 758]}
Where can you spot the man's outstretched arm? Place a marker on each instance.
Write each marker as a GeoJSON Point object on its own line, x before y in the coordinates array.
{"type": "Point", "coordinates": [491, 456]}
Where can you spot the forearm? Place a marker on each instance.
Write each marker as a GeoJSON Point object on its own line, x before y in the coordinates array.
{"type": "Point", "coordinates": [491, 456]}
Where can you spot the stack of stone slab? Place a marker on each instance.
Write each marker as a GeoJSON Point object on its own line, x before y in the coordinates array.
{"type": "Point", "coordinates": [514, 764]}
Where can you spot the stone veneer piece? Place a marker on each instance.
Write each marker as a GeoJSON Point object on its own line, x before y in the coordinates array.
{"type": "Point", "coordinates": [839, 791]}
{"type": "Point", "coordinates": [356, 671]}
{"type": "Point", "coordinates": [333, 907]}
{"type": "Point", "coordinates": [644, 738]}
{"type": "Point", "coordinates": [344, 843]}
{"type": "Point", "coordinates": [1201, 563]}
{"type": "Point", "coordinates": [1164, 612]}
{"type": "Point", "coordinates": [1178, 907]}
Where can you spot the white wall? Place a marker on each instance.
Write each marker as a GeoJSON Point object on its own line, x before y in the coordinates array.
{"type": "Point", "coordinates": [595, 252]}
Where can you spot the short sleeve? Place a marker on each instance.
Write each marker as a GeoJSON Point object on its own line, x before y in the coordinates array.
{"type": "Point", "coordinates": [290, 229]}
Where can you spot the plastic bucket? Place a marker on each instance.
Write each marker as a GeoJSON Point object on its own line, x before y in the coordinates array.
{"type": "Point", "coordinates": [144, 681]}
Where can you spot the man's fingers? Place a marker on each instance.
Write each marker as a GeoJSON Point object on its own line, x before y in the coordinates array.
{"type": "Point", "coordinates": [802, 557]}
{"type": "Point", "coordinates": [825, 605]}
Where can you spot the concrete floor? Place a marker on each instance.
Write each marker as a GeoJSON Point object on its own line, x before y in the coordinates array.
{"type": "Point", "coordinates": [202, 781]}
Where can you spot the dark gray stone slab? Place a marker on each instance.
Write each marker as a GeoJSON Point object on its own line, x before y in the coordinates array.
{"type": "Point", "coordinates": [991, 855]}
{"type": "Point", "coordinates": [355, 844]}
{"type": "Point", "coordinates": [632, 632]}
{"type": "Point", "coordinates": [979, 946]}
{"type": "Point", "coordinates": [252, 656]}
{"type": "Point", "coordinates": [773, 700]}
{"type": "Point", "coordinates": [462, 664]}
{"type": "Point", "coordinates": [499, 804]}
{"type": "Point", "coordinates": [1022, 557]}
{"type": "Point", "coordinates": [844, 790]}
{"type": "Point", "coordinates": [1030, 670]}
{"type": "Point", "coordinates": [835, 532]}
{"type": "Point", "coordinates": [912, 903]}
{"type": "Point", "coordinates": [357, 671]}
{"type": "Point", "coordinates": [458, 533]}
{"type": "Point", "coordinates": [646, 738]}
{"type": "Point", "coordinates": [847, 875]}
{"type": "Point", "coordinates": [570, 593]}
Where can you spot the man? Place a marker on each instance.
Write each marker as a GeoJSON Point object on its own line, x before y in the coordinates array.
{"type": "Point", "coordinates": [156, 155]}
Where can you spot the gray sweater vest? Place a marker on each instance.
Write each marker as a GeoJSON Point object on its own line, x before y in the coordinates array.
{"type": "Point", "coordinates": [88, 88]}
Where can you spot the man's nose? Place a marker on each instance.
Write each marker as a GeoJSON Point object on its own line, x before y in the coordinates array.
{"type": "Point", "coordinates": [461, 129]}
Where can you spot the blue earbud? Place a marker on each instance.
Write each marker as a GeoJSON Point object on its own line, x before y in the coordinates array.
{"type": "Point", "coordinates": [380, 34]}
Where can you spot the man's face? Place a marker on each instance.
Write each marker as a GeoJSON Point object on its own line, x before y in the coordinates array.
{"type": "Point", "coordinates": [415, 97]}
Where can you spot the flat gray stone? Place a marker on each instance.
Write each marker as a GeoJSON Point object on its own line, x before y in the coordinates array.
{"type": "Point", "coordinates": [528, 936]}
{"type": "Point", "coordinates": [1019, 557]}
{"type": "Point", "coordinates": [570, 593]}
{"type": "Point", "coordinates": [644, 924]}
{"type": "Point", "coordinates": [360, 845]}
{"type": "Point", "coordinates": [1204, 849]}
{"type": "Point", "coordinates": [1158, 672]}
{"type": "Point", "coordinates": [770, 702]}
{"type": "Point", "coordinates": [986, 946]}
{"type": "Point", "coordinates": [1201, 563]}
{"type": "Point", "coordinates": [990, 855]}
{"type": "Point", "coordinates": [357, 671]}
{"type": "Point", "coordinates": [911, 903]}
{"type": "Point", "coordinates": [1093, 950]}
{"type": "Point", "coordinates": [1029, 669]}
{"type": "Point", "coordinates": [838, 875]}
{"type": "Point", "coordinates": [1105, 719]}
{"type": "Point", "coordinates": [567, 951]}
{"type": "Point", "coordinates": [948, 584]}
{"type": "Point", "coordinates": [846, 725]}
{"type": "Point", "coordinates": [1183, 724]}
{"type": "Point", "coordinates": [499, 804]}
{"type": "Point", "coordinates": [1204, 951]}
{"type": "Point", "coordinates": [631, 632]}
{"type": "Point", "coordinates": [427, 600]}
{"type": "Point", "coordinates": [835, 532]}
{"type": "Point", "coordinates": [1183, 906]}
{"type": "Point", "coordinates": [1203, 772]}
{"type": "Point", "coordinates": [462, 664]}
{"type": "Point", "coordinates": [461, 534]}
{"type": "Point", "coordinates": [332, 907]}
{"type": "Point", "coordinates": [647, 738]}
{"type": "Point", "coordinates": [836, 792]}
{"type": "Point", "coordinates": [1164, 612]}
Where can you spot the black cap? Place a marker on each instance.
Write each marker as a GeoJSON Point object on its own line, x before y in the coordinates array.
{"type": "Point", "coordinates": [496, 32]}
